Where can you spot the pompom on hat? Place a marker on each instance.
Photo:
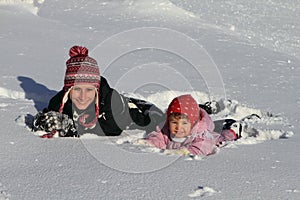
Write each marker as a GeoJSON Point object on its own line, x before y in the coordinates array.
{"type": "Point", "coordinates": [81, 69]}
{"type": "Point", "coordinates": [187, 105]}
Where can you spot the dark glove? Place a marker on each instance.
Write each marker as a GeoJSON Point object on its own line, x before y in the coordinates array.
{"type": "Point", "coordinates": [53, 122]}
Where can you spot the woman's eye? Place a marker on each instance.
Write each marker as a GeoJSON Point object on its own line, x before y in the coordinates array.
{"type": "Point", "coordinates": [77, 89]}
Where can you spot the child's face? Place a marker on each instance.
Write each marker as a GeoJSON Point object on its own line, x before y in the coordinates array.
{"type": "Point", "coordinates": [82, 95]}
{"type": "Point", "coordinates": [179, 127]}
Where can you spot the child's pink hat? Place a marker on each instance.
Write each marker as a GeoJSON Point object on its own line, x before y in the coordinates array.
{"type": "Point", "coordinates": [185, 104]}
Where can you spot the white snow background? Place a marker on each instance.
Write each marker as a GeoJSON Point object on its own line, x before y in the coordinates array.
{"type": "Point", "coordinates": [255, 46]}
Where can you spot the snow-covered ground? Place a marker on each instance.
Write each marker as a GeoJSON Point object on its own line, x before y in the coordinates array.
{"type": "Point", "coordinates": [244, 51]}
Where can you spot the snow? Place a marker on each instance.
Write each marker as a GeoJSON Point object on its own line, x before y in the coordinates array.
{"type": "Point", "coordinates": [202, 192]}
{"type": "Point", "coordinates": [243, 51]}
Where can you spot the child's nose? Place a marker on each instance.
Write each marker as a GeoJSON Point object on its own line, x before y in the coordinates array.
{"type": "Point", "coordinates": [179, 127]}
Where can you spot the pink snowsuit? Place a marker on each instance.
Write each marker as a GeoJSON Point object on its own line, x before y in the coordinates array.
{"type": "Point", "coordinates": [202, 140]}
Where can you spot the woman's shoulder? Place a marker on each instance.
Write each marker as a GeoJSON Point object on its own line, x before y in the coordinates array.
{"type": "Point", "coordinates": [105, 88]}
{"type": "Point", "coordinates": [103, 80]}
{"type": "Point", "coordinates": [104, 83]}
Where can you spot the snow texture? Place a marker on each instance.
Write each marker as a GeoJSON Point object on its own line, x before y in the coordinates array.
{"type": "Point", "coordinates": [243, 54]}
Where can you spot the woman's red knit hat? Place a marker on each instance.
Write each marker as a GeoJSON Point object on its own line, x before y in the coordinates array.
{"type": "Point", "coordinates": [81, 68]}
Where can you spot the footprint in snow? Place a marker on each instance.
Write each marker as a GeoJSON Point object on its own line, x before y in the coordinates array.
{"type": "Point", "coordinates": [202, 192]}
{"type": "Point", "coordinates": [3, 193]}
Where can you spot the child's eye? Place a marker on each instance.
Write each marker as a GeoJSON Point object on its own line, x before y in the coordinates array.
{"type": "Point", "coordinates": [90, 89]}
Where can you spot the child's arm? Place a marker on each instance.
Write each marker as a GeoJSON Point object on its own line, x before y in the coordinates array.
{"type": "Point", "coordinates": [157, 139]}
{"type": "Point", "coordinates": [203, 146]}
{"type": "Point", "coordinates": [144, 141]}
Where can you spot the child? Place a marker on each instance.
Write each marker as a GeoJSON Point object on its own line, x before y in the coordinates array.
{"type": "Point", "coordinates": [188, 129]}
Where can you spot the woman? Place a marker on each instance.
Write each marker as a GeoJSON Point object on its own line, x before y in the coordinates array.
{"type": "Point", "coordinates": [87, 104]}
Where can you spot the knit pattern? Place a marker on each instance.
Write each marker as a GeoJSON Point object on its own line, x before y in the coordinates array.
{"type": "Point", "coordinates": [81, 69]}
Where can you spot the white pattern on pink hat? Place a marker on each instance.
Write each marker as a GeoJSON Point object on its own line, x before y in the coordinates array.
{"type": "Point", "coordinates": [185, 104]}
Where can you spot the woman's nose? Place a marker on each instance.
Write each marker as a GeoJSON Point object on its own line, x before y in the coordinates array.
{"type": "Point", "coordinates": [82, 95]}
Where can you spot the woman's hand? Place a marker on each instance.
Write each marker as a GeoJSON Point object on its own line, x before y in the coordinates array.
{"type": "Point", "coordinates": [52, 121]}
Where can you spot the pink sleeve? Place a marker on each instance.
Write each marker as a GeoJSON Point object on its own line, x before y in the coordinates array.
{"type": "Point", "coordinates": [158, 139]}
{"type": "Point", "coordinates": [206, 121]}
{"type": "Point", "coordinates": [204, 145]}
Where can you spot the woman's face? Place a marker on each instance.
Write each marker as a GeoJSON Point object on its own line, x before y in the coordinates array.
{"type": "Point", "coordinates": [83, 95]}
{"type": "Point", "coordinates": [179, 127]}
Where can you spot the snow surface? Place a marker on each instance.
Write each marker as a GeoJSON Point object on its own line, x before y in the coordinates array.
{"type": "Point", "coordinates": [244, 51]}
